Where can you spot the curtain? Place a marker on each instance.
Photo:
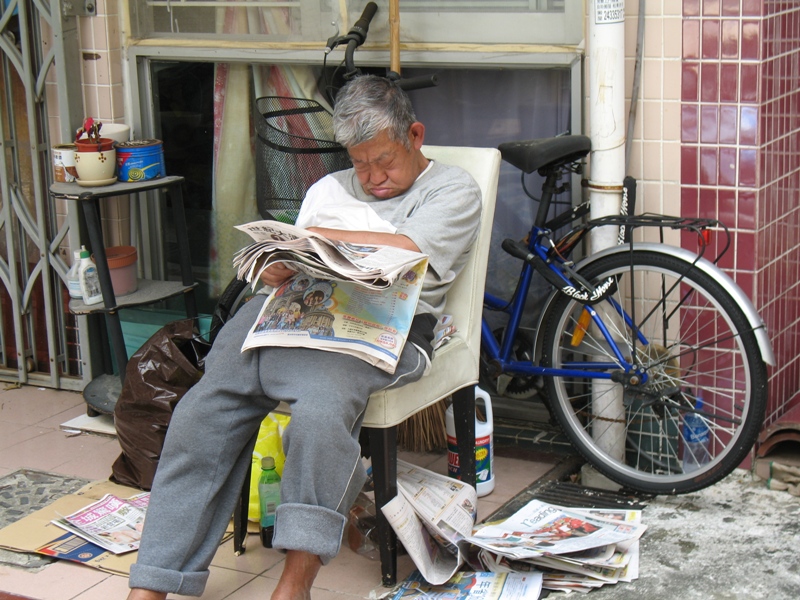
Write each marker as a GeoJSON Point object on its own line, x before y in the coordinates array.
{"type": "Point", "coordinates": [234, 189]}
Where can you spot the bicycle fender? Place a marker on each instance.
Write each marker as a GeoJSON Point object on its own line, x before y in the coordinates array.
{"type": "Point", "coordinates": [709, 268]}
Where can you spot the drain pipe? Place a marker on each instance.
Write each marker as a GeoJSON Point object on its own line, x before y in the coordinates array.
{"type": "Point", "coordinates": [606, 45]}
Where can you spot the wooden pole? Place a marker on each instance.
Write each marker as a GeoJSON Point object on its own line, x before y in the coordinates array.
{"type": "Point", "coordinates": [394, 36]}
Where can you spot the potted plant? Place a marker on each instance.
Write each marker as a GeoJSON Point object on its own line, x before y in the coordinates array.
{"type": "Point", "coordinates": [95, 156]}
{"type": "Point", "coordinates": [92, 142]}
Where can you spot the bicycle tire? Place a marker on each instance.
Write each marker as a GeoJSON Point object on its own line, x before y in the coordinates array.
{"type": "Point", "coordinates": [699, 341]}
{"type": "Point", "coordinates": [236, 293]}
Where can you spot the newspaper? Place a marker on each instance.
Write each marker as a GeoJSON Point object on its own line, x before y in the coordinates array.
{"type": "Point", "coordinates": [341, 316]}
{"type": "Point", "coordinates": [373, 266]}
{"type": "Point", "coordinates": [112, 523]}
{"type": "Point", "coordinates": [581, 570]}
{"type": "Point", "coordinates": [544, 529]}
{"type": "Point", "coordinates": [473, 585]}
{"type": "Point", "coordinates": [432, 515]}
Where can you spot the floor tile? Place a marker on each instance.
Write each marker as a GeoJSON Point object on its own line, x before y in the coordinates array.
{"type": "Point", "coordinates": [94, 465]}
{"type": "Point", "coordinates": [255, 559]}
{"type": "Point", "coordinates": [113, 587]}
{"type": "Point", "coordinates": [29, 405]}
{"type": "Point", "coordinates": [221, 584]}
{"type": "Point", "coordinates": [58, 581]}
{"type": "Point", "coordinates": [54, 448]}
{"type": "Point", "coordinates": [14, 433]}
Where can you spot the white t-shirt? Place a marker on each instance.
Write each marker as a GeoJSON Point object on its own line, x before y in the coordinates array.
{"type": "Point", "coordinates": [440, 213]}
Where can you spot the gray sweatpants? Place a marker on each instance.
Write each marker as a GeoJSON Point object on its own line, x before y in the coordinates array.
{"type": "Point", "coordinates": [210, 441]}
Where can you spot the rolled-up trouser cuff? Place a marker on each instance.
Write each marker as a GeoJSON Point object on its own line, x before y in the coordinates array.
{"type": "Point", "coordinates": [312, 529]}
{"type": "Point", "coordinates": [164, 580]}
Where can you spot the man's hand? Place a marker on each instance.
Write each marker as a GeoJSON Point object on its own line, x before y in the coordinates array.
{"type": "Point", "coordinates": [275, 274]}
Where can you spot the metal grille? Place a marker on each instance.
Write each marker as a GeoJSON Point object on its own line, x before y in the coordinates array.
{"type": "Point", "coordinates": [294, 149]}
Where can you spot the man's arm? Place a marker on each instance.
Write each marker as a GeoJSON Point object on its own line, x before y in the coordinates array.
{"type": "Point", "coordinates": [367, 237]}
{"type": "Point", "coordinates": [277, 273]}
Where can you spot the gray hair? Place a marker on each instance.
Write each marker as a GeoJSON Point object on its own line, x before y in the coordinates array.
{"type": "Point", "coordinates": [369, 104]}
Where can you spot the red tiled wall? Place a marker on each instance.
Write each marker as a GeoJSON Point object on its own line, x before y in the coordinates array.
{"type": "Point", "coordinates": [740, 158]}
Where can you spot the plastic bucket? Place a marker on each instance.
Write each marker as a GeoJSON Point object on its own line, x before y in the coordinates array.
{"type": "Point", "coordinates": [484, 445]}
{"type": "Point", "coordinates": [140, 160]}
{"type": "Point", "coordinates": [122, 267]}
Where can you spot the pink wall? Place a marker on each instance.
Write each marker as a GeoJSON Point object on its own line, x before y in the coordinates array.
{"type": "Point", "coordinates": [740, 141]}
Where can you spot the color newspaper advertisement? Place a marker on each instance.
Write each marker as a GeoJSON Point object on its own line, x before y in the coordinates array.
{"type": "Point", "coordinates": [364, 309]}
{"type": "Point", "coordinates": [112, 523]}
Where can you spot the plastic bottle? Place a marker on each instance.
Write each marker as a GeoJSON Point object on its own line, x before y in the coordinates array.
{"type": "Point", "coordinates": [89, 280]}
{"type": "Point", "coordinates": [695, 439]}
{"type": "Point", "coordinates": [484, 446]}
{"type": "Point", "coordinates": [269, 496]}
{"type": "Point", "coordinates": [74, 276]}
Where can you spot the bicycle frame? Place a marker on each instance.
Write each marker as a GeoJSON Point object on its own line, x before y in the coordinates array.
{"type": "Point", "coordinates": [500, 353]}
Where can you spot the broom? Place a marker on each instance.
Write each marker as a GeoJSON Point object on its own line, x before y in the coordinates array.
{"type": "Point", "coordinates": [424, 431]}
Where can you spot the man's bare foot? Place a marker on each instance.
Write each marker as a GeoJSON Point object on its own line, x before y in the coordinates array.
{"type": "Point", "coordinates": [298, 576]}
{"type": "Point", "coordinates": [140, 594]}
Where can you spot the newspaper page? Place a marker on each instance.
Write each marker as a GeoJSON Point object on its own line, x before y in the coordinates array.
{"type": "Point", "coordinates": [112, 523]}
{"type": "Point", "coordinates": [432, 515]}
{"type": "Point", "coordinates": [540, 528]}
{"type": "Point", "coordinates": [374, 266]}
{"type": "Point", "coordinates": [341, 316]}
{"type": "Point", "coordinates": [473, 585]}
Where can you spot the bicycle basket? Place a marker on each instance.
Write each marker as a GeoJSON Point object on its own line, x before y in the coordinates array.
{"type": "Point", "coordinates": [294, 149]}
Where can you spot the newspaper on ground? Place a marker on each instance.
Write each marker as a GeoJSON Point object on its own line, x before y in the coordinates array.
{"type": "Point", "coordinates": [432, 515]}
{"type": "Point", "coordinates": [473, 585]}
{"type": "Point", "coordinates": [373, 266]}
{"type": "Point", "coordinates": [112, 523]}
{"type": "Point", "coordinates": [577, 570]}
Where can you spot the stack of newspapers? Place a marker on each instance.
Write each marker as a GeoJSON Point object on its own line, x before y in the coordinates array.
{"type": "Point", "coordinates": [575, 549]}
{"type": "Point", "coordinates": [567, 549]}
{"type": "Point", "coordinates": [376, 267]}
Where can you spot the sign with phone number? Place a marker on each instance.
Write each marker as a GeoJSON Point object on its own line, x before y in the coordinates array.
{"type": "Point", "coordinates": [609, 11]}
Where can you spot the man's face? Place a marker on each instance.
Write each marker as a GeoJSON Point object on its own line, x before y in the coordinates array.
{"type": "Point", "coordinates": [386, 168]}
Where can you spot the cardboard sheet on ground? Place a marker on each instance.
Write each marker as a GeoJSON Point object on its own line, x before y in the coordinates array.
{"type": "Point", "coordinates": [35, 532]}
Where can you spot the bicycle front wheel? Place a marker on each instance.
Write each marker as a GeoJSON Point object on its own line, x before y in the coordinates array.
{"type": "Point", "coordinates": [687, 339]}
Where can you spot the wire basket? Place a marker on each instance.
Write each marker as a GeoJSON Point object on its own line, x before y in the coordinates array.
{"type": "Point", "coordinates": [294, 149]}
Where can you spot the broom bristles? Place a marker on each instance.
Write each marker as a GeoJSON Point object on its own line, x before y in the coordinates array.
{"type": "Point", "coordinates": [424, 431]}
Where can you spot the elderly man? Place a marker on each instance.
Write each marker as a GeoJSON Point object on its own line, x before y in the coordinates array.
{"type": "Point", "coordinates": [394, 196]}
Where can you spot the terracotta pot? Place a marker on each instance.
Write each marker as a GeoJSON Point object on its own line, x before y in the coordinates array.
{"type": "Point", "coordinates": [84, 145]}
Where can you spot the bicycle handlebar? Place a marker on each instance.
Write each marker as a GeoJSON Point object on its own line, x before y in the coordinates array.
{"type": "Point", "coordinates": [361, 27]}
{"type": "Point", "coordinates": [357, 36]}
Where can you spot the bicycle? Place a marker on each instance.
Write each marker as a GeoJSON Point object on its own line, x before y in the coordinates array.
{"type": "Point", "coordinates": [629, 338]}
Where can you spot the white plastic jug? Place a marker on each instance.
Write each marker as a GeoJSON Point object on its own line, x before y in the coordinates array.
{"type": "Point", "coordinates": [484, 445]}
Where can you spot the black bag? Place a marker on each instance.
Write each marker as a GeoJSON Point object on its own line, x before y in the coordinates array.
{"type": "Point", "coordinates": [156, 378]}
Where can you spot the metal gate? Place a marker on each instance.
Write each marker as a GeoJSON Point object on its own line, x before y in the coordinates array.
{"type": "Point", "coordinates": [40, 79]}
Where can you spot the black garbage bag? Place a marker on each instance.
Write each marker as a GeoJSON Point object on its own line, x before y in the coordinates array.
{"type": "Point", "coordinates": [156, 378]}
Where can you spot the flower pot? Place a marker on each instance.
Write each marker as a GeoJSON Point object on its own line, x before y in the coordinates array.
{"type": "Point", "coordinates": [85, 145]}
{"type": "Point", "coordinates": [96, 168]}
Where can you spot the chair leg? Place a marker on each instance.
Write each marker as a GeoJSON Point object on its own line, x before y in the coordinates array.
{"type": "Point", "coordinates": [383, 447]}
{"type": "Point", "coordinates": [240, 514]}
{"type": "Point", "coordinates": [464, 421]}
{"type": "Point", "coordinates": [242, 508]}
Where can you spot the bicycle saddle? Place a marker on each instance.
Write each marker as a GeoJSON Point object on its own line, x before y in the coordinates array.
{"type": "Point", "coordinates": [532, 155]}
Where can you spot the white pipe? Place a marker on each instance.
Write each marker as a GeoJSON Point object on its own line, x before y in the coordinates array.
{"type": "Point", "coordinates": [606, 45]}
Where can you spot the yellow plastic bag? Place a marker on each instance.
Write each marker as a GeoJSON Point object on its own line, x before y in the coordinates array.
{"type": "Point", "coordinates": [268, 444]}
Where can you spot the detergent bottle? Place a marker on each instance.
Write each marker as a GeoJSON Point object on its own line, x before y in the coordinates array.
{"type": "Point", "coordinates": [484, 445]}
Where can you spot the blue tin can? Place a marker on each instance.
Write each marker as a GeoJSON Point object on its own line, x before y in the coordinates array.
{"type": "Point", "coordinates": [140, 160]}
